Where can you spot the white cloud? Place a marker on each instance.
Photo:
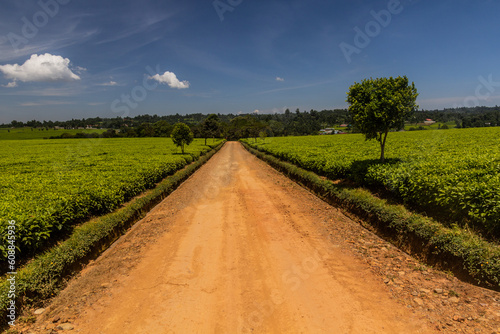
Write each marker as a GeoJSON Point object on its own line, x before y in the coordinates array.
{"type": "Point", "coordinates": [11, 84]}
{"type": "Point", "coordinates": [280, 79]}
{"type": "Point", "coordinates": [111, 83]}
{"type": "Point", "coordinates": [80, 69]}
{"type": "Point", "coordinates": [170, 79]}
{"type": "Point", "coordinates": [44, 103]}
{"type": "Point", "coordinates": [39, 68]}
{"type": "Point", "coordinates": [30, 104]}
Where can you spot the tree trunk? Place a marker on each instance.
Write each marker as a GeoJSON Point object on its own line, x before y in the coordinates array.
{"type": "Point", "coordinates": [205, 141]}
{"type": "Point", "coordinates": [382, 145]}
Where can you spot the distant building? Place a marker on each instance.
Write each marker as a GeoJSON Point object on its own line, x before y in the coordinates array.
{"type": "Point", "coordinates": [344, 125]}
{"type": "Point", "coordinates": [328, 131]}
{"type": "Point", "coordinates": [429, 121]}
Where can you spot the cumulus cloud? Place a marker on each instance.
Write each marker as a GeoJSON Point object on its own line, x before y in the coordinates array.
{"type": "Point", "coordinates": [39, 68]}
{"type": "Point", "coordinates": [280, 79]}
{"type": "Point", "coordinates": [171, 80]}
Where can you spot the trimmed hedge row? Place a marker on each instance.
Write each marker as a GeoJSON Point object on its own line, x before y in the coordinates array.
{"type": "Point", "coordinates": [465, 254]}
{"type": "Point", "coordinates": [45, 275]}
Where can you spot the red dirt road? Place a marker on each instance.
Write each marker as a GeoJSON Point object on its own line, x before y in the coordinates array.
{"type": "Point", "coordinates": [236, 249]}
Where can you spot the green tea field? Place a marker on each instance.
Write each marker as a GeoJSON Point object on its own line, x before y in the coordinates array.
{"type": "Point", "coordinates": [450, 173]}
{"type": "Point", "coordinates": [47, 186]}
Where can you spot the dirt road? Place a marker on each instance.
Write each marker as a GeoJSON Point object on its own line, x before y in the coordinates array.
{"type": "Point", "coordinates": [237, 248]}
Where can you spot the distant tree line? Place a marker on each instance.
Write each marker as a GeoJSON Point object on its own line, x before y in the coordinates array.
{"type": "Point", "coordinates": [254, 125]}
{"type": "Point", "coordinates": [228, 126]}
{"type": "Point", "coordinates": [462, 117]}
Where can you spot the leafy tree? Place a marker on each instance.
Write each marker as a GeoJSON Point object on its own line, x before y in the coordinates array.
{"type": "Point", "coordinates": [129, 132]}
{"type": "Point", "coordinates": [210, 127]}
{"type": "Point", "coordinates": [379, 105]}
{"type": "Point", "coordinates": [255, 128]}
{"type": "Point", "coordinates": [276, 128]}
{"type": "Point", "coordinates": [263, 135]}
{"type": "Point", "coordinates": [16, 124]}
{"type": "Point", "coordinates": [181, 135]}
{"type": "Point", "coordinates": [146, 130]}
{"type": "Point", "coordinates": [110, 133]}
{"type": "Point", "coordinates": [162, 128]}
{"type": "Point", "coordinates": [238, 127]}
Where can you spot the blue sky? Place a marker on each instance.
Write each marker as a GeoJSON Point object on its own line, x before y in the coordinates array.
{"type": "Point", "coordinates": [80, 59]}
